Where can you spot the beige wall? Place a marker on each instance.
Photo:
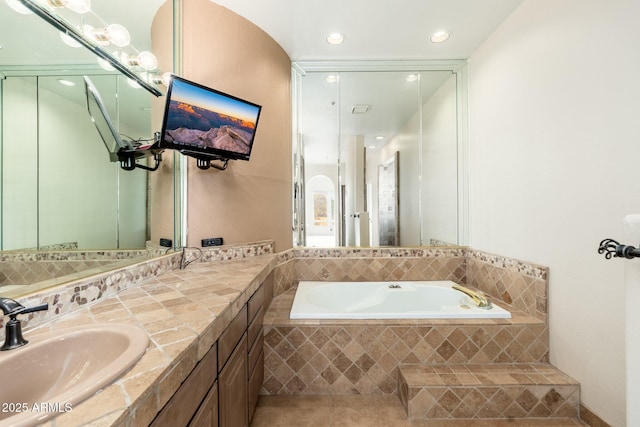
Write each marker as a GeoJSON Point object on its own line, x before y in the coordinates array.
{"type": "Point", "coordinates": [553, 135]}
{"type": "Point", "coordinates": [249, 201]}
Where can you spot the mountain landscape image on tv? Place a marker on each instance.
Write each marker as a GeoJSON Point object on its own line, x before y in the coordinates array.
{"type": "Point", "coordinates": [204, 120]}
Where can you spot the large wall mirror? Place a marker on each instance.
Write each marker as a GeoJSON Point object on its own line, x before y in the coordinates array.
{"type": "Point", "coordinates": [59, 190]}
{"type": "Point", "coordinates": [379, 154]}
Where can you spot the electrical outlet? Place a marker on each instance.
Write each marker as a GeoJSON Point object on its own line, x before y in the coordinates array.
{"type": "Point", "coordinates": [214, 241]}
{"type": "Point", "coordinates": [167, 243]}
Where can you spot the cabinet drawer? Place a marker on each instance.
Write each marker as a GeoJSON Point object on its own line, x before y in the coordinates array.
{"type": "Point", "coordinates": [255, 351]}
{"type": "Point", "coordinates": [184, 403]}
{"type": "Point", "coordinates": [255, 303]}
{"type": "Point", "coordinates": [255, 327]}
{"type": "Point", "coordinates": [230, 337]}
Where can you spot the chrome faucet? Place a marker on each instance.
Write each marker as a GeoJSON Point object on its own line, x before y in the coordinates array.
{"type": "Point", "coordinates": [13, 328]}
{"type": "Point", "coordinates": [479, 298]}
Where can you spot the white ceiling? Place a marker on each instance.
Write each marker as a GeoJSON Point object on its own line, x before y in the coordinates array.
{"type": "Point", "coordinates": [375, 29]}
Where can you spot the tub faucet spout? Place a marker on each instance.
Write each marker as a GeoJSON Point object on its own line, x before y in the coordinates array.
{"type": "Point", "coordinates": [480, 299]}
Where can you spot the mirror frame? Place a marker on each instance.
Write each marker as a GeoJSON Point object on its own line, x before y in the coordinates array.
{"type": "Point", "coordinates": [456, 67]}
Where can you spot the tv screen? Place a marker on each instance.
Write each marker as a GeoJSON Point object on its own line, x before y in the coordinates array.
{"type": "Point", "coordinates": [206, 123]}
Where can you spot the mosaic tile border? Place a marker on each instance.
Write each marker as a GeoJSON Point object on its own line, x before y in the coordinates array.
{"type": "Point", "coordinates": [351, 252]}
{"type": "Point", "coordinates": [511, 264]}
{"type": "Point", "coordinates": [218, 253]}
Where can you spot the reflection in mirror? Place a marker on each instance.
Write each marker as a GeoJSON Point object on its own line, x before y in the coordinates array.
{"type": "Point", "coordinates": [67, 210]}
{"type": "Point", "coordinates": [59, 187]}
{"type": "Point", "coordinates": [386, 145]}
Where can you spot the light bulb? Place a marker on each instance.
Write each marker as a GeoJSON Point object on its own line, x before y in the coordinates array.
{"type": "Point", "coordinates": [118, 35]}
{"type": "Point", "coordinates": [96, 34]}
{"type": "Point", "coordinates": [134, 84]}
{"type": "Point", "coordinates": [68, 40]}
{"type": "Point", "coordinates": [18, 7]}
{"type": "Point", "coordinates": [166, 78]}
{"type": "Point", "coordinates": [157, 79]}
{"type": "Point", "coordinates": [77, 6]}
{"type": "Point", "coordinates": [147, 60]}
{"type": "Point", "coordinates": [105, 65]}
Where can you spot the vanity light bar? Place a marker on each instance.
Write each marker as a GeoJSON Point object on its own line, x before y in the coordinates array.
{"type": "Point", "coordinates": [70, 31]}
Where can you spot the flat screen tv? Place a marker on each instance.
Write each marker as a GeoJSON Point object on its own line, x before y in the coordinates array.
{"type": "Point", "coordinates": [208, 124]}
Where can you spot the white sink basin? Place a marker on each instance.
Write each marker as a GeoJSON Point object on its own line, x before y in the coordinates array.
{"type": "Point", "coordinates": [59, 369]}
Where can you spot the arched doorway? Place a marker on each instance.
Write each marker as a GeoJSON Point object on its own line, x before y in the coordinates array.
{"type": "Point", "coordinates": [320, 212]}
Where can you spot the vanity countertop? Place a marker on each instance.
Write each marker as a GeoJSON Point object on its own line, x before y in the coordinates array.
{"type": "Point", "coordinates": [184, 312]}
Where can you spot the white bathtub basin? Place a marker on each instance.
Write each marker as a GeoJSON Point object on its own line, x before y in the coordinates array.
{"type": "Point", "coordinates": [386, 300]}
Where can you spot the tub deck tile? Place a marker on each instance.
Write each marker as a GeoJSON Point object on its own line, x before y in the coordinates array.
{"type": "Point", "coordinates": [503, 390]}
{"type": "Point", "coordinates": [324, 357]}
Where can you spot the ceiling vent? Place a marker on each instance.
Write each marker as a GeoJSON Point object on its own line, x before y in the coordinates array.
{"type": "Point", "coordinates": [360, 109]}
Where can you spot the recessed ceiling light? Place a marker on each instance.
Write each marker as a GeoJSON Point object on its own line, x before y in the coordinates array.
{"type": "Point", "coordinates": [379, 137]}
{"type": "Point", "coordinates": [440, 36]}
{"type": "Point", "coordinates": [372, 147]}
{"type": "Point", "coordinates": [66, 82]}
{"type": "Point", "coordinates": [411, 78]}
{"type": "Point", "coordinates": [332, 78]}
{"type": "Point", "coordinates": [335, 38]}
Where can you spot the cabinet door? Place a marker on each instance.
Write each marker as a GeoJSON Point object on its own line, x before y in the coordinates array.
{"type": "Point", "coordinates": [233, 389]}
{"type": "Point", "coordinates": [207, 415]}
{"type": "Point", "coordinates": [184, 403]}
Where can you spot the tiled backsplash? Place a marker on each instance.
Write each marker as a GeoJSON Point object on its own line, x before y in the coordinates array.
{"type": "Point", "coordinates": [74, 294]}
{"type": "Point", "coordinates": [369, 264]}
{"type": "Point", "coordinates": [520, 284]}
{"type": "Point", "coordinates": [29, 267]}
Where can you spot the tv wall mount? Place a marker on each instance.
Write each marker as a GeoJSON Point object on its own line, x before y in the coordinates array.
{"type": "Point", "coordinates": [203, 160]}
{"type": "Point", "coordinates": [128, 158]}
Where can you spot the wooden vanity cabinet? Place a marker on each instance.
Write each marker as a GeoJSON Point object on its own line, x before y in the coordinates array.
{"type": "Point", "coordinates": [199, 387]}
{"type": "Point", "coordinates": [223, 388]}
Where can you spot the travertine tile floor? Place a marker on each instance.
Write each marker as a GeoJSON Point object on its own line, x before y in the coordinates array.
{"type": "Point", "coordinates": [363, 411]}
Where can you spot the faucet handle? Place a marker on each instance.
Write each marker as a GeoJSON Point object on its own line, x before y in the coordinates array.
{"type": "Point", "coordinates": [13, 335]}
{"type": "Point", "coordinates": [13, 308]}
{"type": "Point", "coordinates": [35, 308]}
{"type": "Point", "coordinates": [8, 306]}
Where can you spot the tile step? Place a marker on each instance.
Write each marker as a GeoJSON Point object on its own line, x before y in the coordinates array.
{"type": "Point", "coordinates": [489, 391]}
